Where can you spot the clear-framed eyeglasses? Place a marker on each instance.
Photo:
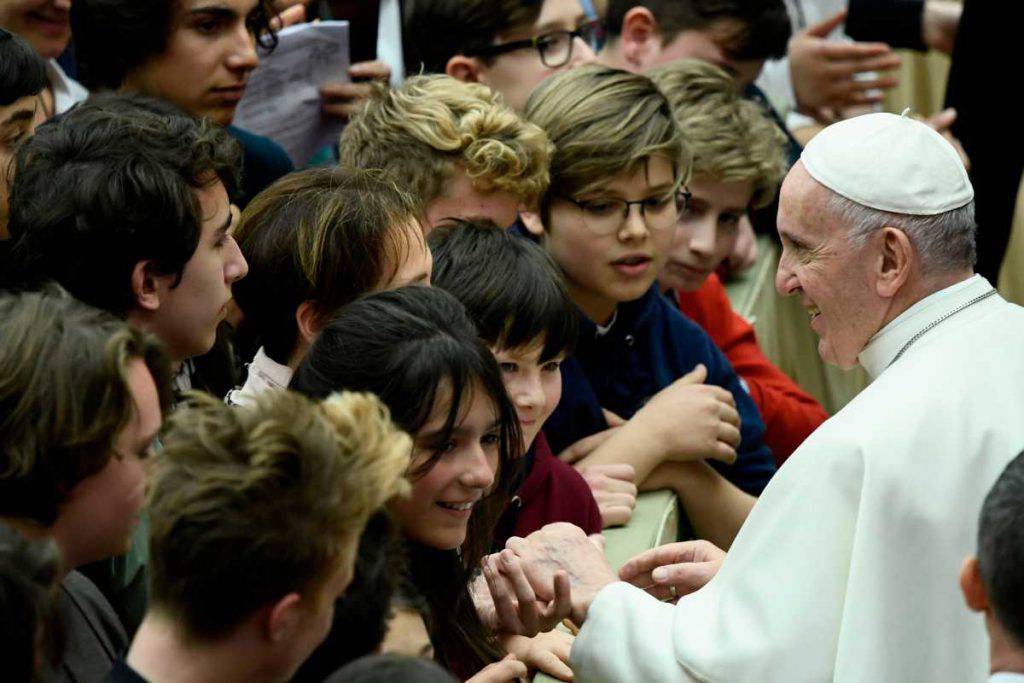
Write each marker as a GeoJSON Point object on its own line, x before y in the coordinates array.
{"type": "Point", "coordinates": [554, 47]}
{"type": "Point", "coordinates": [606, 216]}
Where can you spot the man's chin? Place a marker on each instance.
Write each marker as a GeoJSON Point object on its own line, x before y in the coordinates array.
{"type": "Point", "coordinates": [830, 357]}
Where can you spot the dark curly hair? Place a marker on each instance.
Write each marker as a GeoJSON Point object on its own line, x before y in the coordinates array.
{"type": "Point", "coordinates": [106, 185]}
{"type": "Point", "coordinates": [113, 37]}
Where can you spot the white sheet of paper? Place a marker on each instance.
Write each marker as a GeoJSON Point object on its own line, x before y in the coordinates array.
{"type": "Point", "coordinates": [282, 99]}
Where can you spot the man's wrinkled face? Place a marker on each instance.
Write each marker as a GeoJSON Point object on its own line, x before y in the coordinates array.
{"type": "Point", "coordinates": [832, 276]}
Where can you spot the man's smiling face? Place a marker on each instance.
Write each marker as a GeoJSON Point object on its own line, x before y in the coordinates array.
{"type": "Point", "coordinates": [831, 275]}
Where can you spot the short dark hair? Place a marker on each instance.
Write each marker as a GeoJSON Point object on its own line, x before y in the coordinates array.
{"type": "Point", "coordinates": [1001, 548]}
{"type": "Point", "coordinates": [64, 396]}
{"type": "Point", "coordinates": [322, 235]}
{"type": "Point", "coordinates": [763, 32]}
{"type": "Point", "coordinates": [510, 286]}
{"type": "Point", "coordinates": [113, 37]}
{"type": "Point", "coordinates": [108, 184]}
{"type": "Point", "coordinates": [361, 615]}
{"type": "Point", "coordinates": [29, 570]}
{"type": "Point", "coordinates": [22, 71]}
{"type": "Point", "coordinates": [386, 668]}
{"type": "Point", "coordinates": [434, 31]}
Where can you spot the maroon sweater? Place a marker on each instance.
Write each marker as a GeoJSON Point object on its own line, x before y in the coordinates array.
{"type": "Point", "coordinates": [552, 492]}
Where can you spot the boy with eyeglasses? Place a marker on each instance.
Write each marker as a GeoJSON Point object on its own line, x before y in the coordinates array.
{"type": "Point", "coordinates": [608, 220]}
{"type": "Point", "coordinates": [508, 45]}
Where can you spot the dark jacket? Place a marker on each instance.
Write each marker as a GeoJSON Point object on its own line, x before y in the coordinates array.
{"type": "Point", "coordinates": [650, 345]}
{"type": "Point", "coordinates": [263, 162]}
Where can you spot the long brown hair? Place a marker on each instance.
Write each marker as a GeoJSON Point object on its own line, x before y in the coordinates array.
{"type": "Point", "coordinates": [408, 346]}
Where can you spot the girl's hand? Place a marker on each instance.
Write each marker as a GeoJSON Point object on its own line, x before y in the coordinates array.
{"type": "Point", "coordinates": [514, 607]}
{"type": "Point", "coordinates": [507, 670]}
{"type": "Point", "coordinates": [547, 652]}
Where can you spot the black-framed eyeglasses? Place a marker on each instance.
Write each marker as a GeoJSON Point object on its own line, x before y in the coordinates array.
{"type": "Point", "coordinates": [554, 47]}
{"type": "Point", "coordinates": [605, 216]}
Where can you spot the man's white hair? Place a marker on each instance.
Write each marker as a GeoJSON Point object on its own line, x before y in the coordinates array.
{"type": "Point", "coordinates": [944, 241]}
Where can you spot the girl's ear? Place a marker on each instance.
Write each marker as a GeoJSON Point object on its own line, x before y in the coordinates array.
{"type": "Point", "coordinates": [308, 322]}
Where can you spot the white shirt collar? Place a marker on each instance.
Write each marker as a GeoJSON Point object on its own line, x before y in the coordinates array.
{"type": "Point", "coordinates": [265, 375]}
{"type": "Point", "coordinates": [602, 330]}
{"type": "Point", "coordinates": [67, 92]}
{"type": "Point", "coordinates": [887, 342]}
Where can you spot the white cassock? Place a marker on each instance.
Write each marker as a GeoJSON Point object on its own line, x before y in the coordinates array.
{"type": "Point", "coordinates": [847, 567]}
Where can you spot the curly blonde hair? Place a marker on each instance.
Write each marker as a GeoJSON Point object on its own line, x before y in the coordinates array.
{"type": "Point", "coordinates": [250, 504]}
{"type": "Point", "coordinates": [731, 138]}
{"type": "Point", "coordinates": [422, 131]}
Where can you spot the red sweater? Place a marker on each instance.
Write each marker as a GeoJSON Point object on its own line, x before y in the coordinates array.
{"type": "Point", "coordinates": [552, 492]}
{"type": "Point", "coordinates": [789, 413]}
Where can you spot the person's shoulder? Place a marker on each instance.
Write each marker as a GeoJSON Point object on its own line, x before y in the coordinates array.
{"type": "Point", "coordinates": [261, 148]}
{"type": "Point", "coordinates": [93, 635]}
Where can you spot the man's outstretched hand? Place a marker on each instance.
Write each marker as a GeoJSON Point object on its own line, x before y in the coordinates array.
{"type": "Point", "coordinates": [684, 567]}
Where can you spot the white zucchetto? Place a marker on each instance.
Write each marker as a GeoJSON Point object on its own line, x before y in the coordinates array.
{"type": "Point", "coordinates": [891, 163]}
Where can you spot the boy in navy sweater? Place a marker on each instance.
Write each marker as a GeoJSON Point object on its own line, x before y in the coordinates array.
{"type": "Point", "coordinates": [646, 386]}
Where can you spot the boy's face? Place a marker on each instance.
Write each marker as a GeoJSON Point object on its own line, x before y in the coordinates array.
{"type": "Point", "coordinates": [515, 74]}
{"type": "Point", "coordinates": [98, 517]}
{"type": "Point", "coordinates": [535, 387]}
{"type": "Point", "coordinates": [706, 45]}
{"type": "Point", "coordinates": [417, 264]}
{"type": "Point", "coordinates": [460, 200]}
{"type": "Point", "coordinates": [209, 56]}
{"type": "Point", "coordinates": [17, 121]}
{"type": "Point", "coordinates": [188, 313]}
{"type": "Point", "coordinates": [608, 259]}
{"type": "Point", "coordinates": [316, 610]}
{"type": "Point", "coordinates": [45, 24]}
{"type": "Point", "coordinates": [707, 232]}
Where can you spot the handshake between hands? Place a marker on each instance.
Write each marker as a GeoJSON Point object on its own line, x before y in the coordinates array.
{"type": "Point", "coordinates": [555, 573]}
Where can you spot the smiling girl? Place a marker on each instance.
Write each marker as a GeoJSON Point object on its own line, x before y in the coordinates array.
{"type": "Point", "coordinates": [416, 349]}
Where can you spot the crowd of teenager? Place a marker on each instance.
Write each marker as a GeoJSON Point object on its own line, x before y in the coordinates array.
{"type": "Point", "coordinates": [268, 423]}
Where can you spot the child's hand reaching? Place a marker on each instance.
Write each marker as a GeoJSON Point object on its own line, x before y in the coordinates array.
{"type": "Point", "coordinates": [614, 489]}
{"type": "Point", "coordinates": [547, 652]}
{"type": "Point", "coordinates": [507, 670]}
{"type": "Point", "coordinates": [693, 420]}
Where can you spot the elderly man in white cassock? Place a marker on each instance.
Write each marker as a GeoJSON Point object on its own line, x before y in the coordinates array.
{"type": "Point", "coordinates": [846, 569]}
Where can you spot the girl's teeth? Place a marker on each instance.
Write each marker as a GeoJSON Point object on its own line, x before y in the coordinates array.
{"type": "Point", "coordinates": [453, 506]}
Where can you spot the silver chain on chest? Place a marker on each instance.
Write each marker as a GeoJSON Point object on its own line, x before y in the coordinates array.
{"type": "Point", "coordinates": [935, 322]}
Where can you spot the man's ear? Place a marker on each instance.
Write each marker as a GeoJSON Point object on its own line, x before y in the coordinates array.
{"type": "Point", "coordinates": [894, 262]}
{"type": "Point", "coordinates": [281, 619]}
{"type": "Point", "coordinates": [144, 287]}
{"type": "Point", "coordinates": [971, 585]}
{"type": "Point", "coordinates": [533, 222]}
{"type": "Point", "coordinates": [640, 40]}
{"type": "Point", "coordinates": [463, 68]}
{"type": "Point", "coordinates": [307, 319]}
